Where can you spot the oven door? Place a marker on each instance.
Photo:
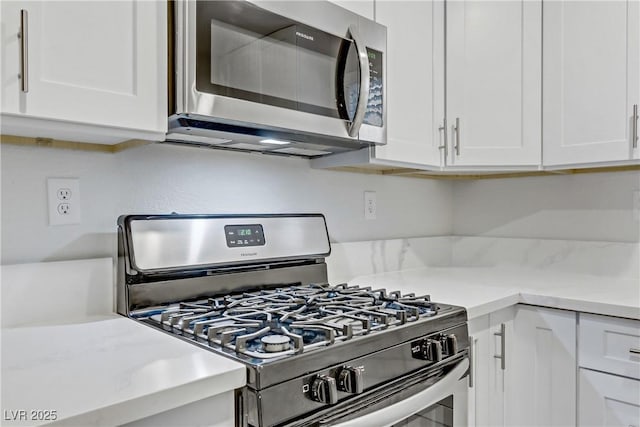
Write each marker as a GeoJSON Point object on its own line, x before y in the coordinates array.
{"type": "Point", "coordinates": [425, 398]}
{"type": "Point", "coordinates": [257, 62]}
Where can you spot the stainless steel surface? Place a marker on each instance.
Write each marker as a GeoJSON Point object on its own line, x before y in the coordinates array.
{"type": "Point", "coordinates": [373, 407]}
{"type": "Point", "coordinates": [330, 353]}
{"type": "Point", "coordinates": [634, 350]}
{"type": "Point", "coordinates": [472, 349]}
{"type": "Point", "coordinates": [382, 369]}
{"type": "Point", "coordinates": [363, 97]}
{"type": "Point", "coordinates": [169, 243]}
{"type": "Point", "coordinates": [442, 130]}
{"type": "Point", "coordinates": [456, 130]}
{"type": "Point", "coordinates": [634, 137]}
{"type": "Point", "coordinates": [24, 50]}
{"type": "Point", "coordinates": [223, 122]}
{"type": "Point", "coordinates": [503, 345]}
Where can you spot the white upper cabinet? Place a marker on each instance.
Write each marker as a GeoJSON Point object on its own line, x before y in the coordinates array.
{"type": "Point", "coordinates": [494, 83]}
{"type": "Point", "coordinates": [100, 65]}
{"type": "Point", "coordinates": [415, 77]}
{"type": "Point", "coordinates": [591, 80]}
{"type": "Point", "coordinates": [361, 7]}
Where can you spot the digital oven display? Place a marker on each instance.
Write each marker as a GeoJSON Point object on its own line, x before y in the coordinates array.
{"type": "Point", "coordinates": [239, 236]}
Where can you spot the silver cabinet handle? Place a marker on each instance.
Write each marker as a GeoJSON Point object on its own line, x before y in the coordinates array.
{"type": "Point", "coordinates": [24, 52]}
{"type": "Point", "coordinates": [634, 135]}
{"type": "Point", "coordinates": [472, 346]}
{"type": "Point", "coordinates": [444, 146]}
{"type": "Point", "coordinates": [456, 129]}
{"type": "Point", "coordinates": [502, 336]}
{"type": "Point", "coordinates": [363, 98]}
{"type": "Point", "coordinates": [634, 350]}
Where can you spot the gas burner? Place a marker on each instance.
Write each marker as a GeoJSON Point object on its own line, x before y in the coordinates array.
{"type": "Point", "coordinates": [283, 321]}
{"type": "Point", "coordinates": [275, 343]}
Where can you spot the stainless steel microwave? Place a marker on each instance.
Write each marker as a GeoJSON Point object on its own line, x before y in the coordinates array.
{"type": "Point", "coordinates": [303, 78]}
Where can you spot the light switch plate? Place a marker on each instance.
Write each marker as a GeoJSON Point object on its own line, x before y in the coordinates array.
{"type": "Point", "coordinates": [64, 201]}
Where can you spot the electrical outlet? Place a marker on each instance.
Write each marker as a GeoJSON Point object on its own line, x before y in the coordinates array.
{"type": "Point", "coordinates": [64, 201]}
{"type": "Point", "coordinates": [64, 193]}
{"type": "Point", "coordinates": [370, 205]}
{"type": "Point", "coordinates": [636, 205]}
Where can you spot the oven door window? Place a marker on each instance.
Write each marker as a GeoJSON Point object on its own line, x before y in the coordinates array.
{"type": "Point", "coordinates": [248, 53]}
{"type": "Point", "coordinates": [438, 415]}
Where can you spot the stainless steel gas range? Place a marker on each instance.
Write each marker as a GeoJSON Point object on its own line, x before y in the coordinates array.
{"type": "Point", "coordinates": [254, 288]}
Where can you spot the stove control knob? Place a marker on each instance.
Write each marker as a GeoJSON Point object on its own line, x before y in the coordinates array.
{"type": "Point", "coordinates": [323, 389]}
{"type": "Point", "coordinates": [350, 379]}
{"type": "Point", "coordinates": [432, 350]}
{"type": "Point", "coordinates": [449, 344]}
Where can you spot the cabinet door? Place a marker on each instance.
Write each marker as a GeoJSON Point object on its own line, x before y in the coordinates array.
{"type": "Point", "coordinates": [543, 380]}
{"type": "Point", "coordinates": [415, 77]}
{"type": "Point", "coordinates": [11, 56]}
{"type": "Point", "coordinates": [494, 82]}
{"type": "Point", "coordinates": [478, 396]}
{"type": "Point", "coordinates": [590, 74]}
{"type": "Point", "coordinates": [608, 400]}
{"type": "Point", "coordinates": [91, 62]}
{"type": "Point", "coordinates": [361, 7]}
{"type": "Point", "coordinates": [501, 362]}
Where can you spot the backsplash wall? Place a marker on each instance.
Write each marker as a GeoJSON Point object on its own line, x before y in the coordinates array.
{"type": "Point", "coordinates": [163, 178]}
{"type": "Point", "coordinates": [596, 206]}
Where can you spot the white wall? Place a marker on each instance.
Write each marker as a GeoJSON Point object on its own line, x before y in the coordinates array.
{"type": "Point", "coordinates": [572, 207]}
{"type": "Point", "coordinates": [163, 178]}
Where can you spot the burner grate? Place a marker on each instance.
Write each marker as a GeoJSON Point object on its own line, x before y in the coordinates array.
{"type": "Point", "coordinates": [295, 318]}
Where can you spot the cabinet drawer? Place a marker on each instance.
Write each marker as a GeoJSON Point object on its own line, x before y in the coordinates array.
{"type": "Point", "coordinates": [608, 400]}
{"type": "Point", "coordinates": [610, 344]}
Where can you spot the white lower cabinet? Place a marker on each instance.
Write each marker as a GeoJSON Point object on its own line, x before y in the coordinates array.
{"type": "Point", "coordinates": [608, 400]}
{"type": "Point", "coordinates": [215, 411]}
{"type": "Point", "coordinates": [543, 381]}
{"type": "Point", "coordinates": [523, 368]}
{"type": "Point", "coordinates": [609, 374]}
{"type": "Point", "coordinates": [491, 344]}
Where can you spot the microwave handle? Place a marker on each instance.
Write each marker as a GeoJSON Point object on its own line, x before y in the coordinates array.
{"type": "Point", "coordinates": [363, 97]}
{"type": "Point", "coordinates": [414, 404]}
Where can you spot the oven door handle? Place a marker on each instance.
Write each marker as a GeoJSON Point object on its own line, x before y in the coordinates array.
{"type": "Point", "coordinates": [414, 404]}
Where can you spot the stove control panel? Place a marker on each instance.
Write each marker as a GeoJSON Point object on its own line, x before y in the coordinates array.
{"type": "Point", "coordinates": [434, 349]}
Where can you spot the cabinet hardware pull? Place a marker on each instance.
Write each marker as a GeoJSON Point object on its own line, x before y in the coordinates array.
{"type": "Point", "coordinates": [472, 345]}
{"type": "Point", "coordinates": [634, 136]}
{"type": "Point", "coordinates": [456, 129]}
{"type": "Point", "coordinates": [502, 336]}
{"type": "Point", "coordinates": [634, 350]}
{"type": "Point", "coordinates": [443, 130]}
{"type": "Point", "coordinates": [24, 53]}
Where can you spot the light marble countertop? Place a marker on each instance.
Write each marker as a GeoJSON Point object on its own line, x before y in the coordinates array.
{"type": "Point", "coordinates": [482, 290]}
{"type": "Point", "coordinates": [108, 370]}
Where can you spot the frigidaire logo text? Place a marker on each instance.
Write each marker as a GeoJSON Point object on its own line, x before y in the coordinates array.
{"type": "Point", "coordinates": [249, 254]}
{"type": "Point", "coordinates": [304, 36]}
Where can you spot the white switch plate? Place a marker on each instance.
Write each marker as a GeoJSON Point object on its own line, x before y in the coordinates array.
{"type": "Point", "coordinates": [64, 201]}
{"type": "Point", "coordinates": [636, 205]}
{"type": "Point", "coordinates": [370, 205]}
